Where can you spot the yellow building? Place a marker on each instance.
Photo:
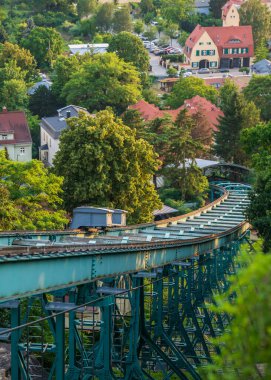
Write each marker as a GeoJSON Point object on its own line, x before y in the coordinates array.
{"type": "Point", "coordinates": [230, 13]}
{"type": "Point", "coordinates": [219, 47]}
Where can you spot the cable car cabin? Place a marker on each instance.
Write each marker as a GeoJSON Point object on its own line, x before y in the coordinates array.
{"type": "Point", "coordinates": [87, 216]}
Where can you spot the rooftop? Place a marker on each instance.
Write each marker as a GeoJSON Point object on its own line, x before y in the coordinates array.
{"type": "Point", "coordinates": [14, 122]}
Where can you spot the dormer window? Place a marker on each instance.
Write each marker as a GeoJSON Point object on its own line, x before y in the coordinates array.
{"type": "Point", "coordinates": [234, 41]}
{"type": "Point", "coordinates": [4, 137]}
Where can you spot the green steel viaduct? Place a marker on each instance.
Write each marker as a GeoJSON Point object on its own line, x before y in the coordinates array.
{"type": "Point", "coordinates": [132, 303]}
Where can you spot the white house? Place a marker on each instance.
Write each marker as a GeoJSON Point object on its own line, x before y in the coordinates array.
{"type": "Point", "coordinates": [50, 130]}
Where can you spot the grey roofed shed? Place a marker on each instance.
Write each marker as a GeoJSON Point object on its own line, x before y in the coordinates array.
{"type": "Point", "coordinates": [87, 216]}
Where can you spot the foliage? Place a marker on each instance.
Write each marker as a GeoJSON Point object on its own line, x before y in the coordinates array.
{"type": "Point", "coordinates": [30, 196]}
{"type": "Point", "coordinates": [14, 94]}
{"type": "Point", "coordinates": [246, 349]}
{"type": "Point", "coordinates": [104, 164]}
{"type": "Point", "coordinates": [138, 26]}
{"type": "Point", "coordinates": [259, 91]}
{"type": "Point", "coordinates": [172, 72]}
{"type": "Point", "coordinates": [183, 37]}
{"type": "Point", "coordinates": [34, 126]}
{"type": "Point", "coordinates": [105, 80]}
{"type": "Point", "coordinates": [85, 7]}
{"type": "Point", "coordinates": [215, 7]}
{"type": "Point", "coordinates": [104, 17]}
{"type": "Point", "coordinates": [122, 20]}
{"type": "Point", "coordinates": [261, 52]}
{"type": "Point", "coordinates": [238, 114]}
{"type": "Point", "coordinates": [176, 10]}
{"type": "Point", "coordinates": [43, 102]}
{"type": "Point", "coordinates": [150, 96]}
{"type": "Point", "coordinates": [45, 44]}
{"type": "Point", "coordinates": [173, 57]}
{"type": "Point", "coordinates": [186, 88]}
{"type": "Point", "coordinates": [257, 144]}
{"type": "Point", "coordinates": [150, 32]}
{"type": "Point", "coordinates": [171, 31]}
{"type": "Point", "coordinates": [256, 14]}
{"type": "Point", "coordinates": [23, 59]}
{"type": "Point", "coordinates": [131, 49]}
{"type": "Point", "coordinates": [179, 163]}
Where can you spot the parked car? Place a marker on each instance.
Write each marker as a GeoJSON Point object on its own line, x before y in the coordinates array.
{"type": "Point", "coordinates": [204, 70]}
{"type": "Point", "coordinates": [154, 23]}
{"type": "Point", "coordinates": [187, 74]}
{"type": "Point", "coordinates": [224, 70]}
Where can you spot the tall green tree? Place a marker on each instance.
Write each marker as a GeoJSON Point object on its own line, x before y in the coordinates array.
{"type": "Point", "coordinates": [256, 14]}
{"type": "Point", "coordinates": [43, 102]}
{"type": "Point", "coordinates": [104, 17]}
{"type": "Point", "coordinates": [86, 7]}
{"type": "Point", "coordinates": [238, 114]}
{"type": "Point", "coordinates": [138, 26]}
{"type": "Point", "coordinates": [22, 57]}
{"type": "Point", "coordinates": [180, 168]}
{"type": "Point", "coordinates": [45, 44]}
{"type": "Point", "coordinates": [259, 91]}
{"type": "Point", "coordinates": [257, 144]}
{"type": "Point", "coordinates": [246, 348]}
{"type": "Point", "coordinates": [14, 94]}
{"type": "Point", "coordinates": [186, 88]}
{"type": "Point", "coordinates": [104, 164]}
{"type": "Point", "coordinates": [30, 196]}
{"type": "Point", "coordinates": [261, 52]}
{"type": "Point", "coordinates": [122, 20]}
{"type": "Point", "coordinates": [105, 80]}
{"type": "Point", "coordinates": [215, 7]}
{"type": "Point", "coordinates": [131, 49]}
{"type": "Point", "coordinates": [175, 11]}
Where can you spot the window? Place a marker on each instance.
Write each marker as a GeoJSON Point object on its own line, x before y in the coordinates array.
{"type": "Point", "coordinates": [204, 52]}
{"type": "Point", "coordinates": [213, 64]}
{"type": "Point", "coordinates": [244, 50]}
{"type": "Point", "coordinates": [201, 43]}
{"type": "Point", "coordinates": [235, 51]}
{"type": "Point", "coordinates": [22, 151]}
{"type": "Point", "coordinates": [4, 137]}
{"type": "Point", "coordinates": [209, 43]}
{"type": "Point", "coordinates": [197, 53]}
{"type": "Point", "coordinates": [194, 64]}
{"type": "Point", "coordinates": [225, 51]}
{"type": "Point", "coordinates": [211, 52]}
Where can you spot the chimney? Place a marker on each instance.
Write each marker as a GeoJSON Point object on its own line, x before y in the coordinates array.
{"type": "Point", "coordinates": [4, 109]}
{"type": "Point", "coordinates": [68, 114]}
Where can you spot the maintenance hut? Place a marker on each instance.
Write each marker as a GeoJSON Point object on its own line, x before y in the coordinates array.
{"type": "Point", "coordinates": [87, 216]}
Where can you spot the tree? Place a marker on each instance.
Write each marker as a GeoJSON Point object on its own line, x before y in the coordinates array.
{"type": "Point", "coordinates": [33, 122]}
{"type": "Point", "coordinates": [176, 10]}
{"type": "Point", "coordinates": [45, 44]}
{"type": "Point", "coordinates": [14, 94]}
{"type": "Point", "coordinates": [202, 131]}
{"type": "Point", "coordinates": [261, 52]}
{"type": "Point", "coordinates": [30, 196]}
{"type": "Point", "coordinates": [150, 33]}
{"type": "Point", "coordinates": [186, 88]}
{"type": "Point", "coordinates": [238, 114]}
{"type": "Point", "coordinates": [246, 349]}
{"type": "Point", "coordinates": [215, 7]}
{"type": "Point", "coordinates": [22, 57]}
{"type": "Point", "coordinates": [171, 30]}
{"type": "Point", "coordinates": [122, 20]}
{"type": "Point", "coordinates": [64, 68]}
{"type": "Point", "coordinates": [138, 26]}
{"type": "Point", "coordinates": [104, 17]}
{"type": "Point", "coordinates": [105, 80]}
{"type": "Point", "coordinates": [43, 102]}
{"type": "Point", "coordinates": [85, 7]}
{"type": "Point", "coordinates": [104, 164]}
{"type": "Point", "coordinates": [180, 168]}
{"type": "Point", "coordinates": [259, 91]}
{"type": "Point", "coordinates": [256, 14]}
{"type": "Point", "coordinates": [131, 49]}
{"type": "Point", "coordinates": [257, 144]}
{"type": "Point", "coordinates": [147, 6]}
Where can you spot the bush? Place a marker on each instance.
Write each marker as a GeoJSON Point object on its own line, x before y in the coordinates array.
{"type": "Point", "coordinates": [244, 70]}
{"type": "Point", "coordinates": [173, 57]}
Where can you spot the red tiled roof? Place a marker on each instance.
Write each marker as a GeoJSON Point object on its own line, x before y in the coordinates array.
{"type": "Point", "coordinates": [197, 103]}
{"type": "Point", "coordinates": [222, 37]}
{"type": "Point", "coordinates": [15, 122]}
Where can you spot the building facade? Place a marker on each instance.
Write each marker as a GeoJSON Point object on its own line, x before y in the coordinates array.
{"type": "Point", "coordinates": [50, 131]}
{"type": "Point", "coordinates": [230, 13]}
{"type": "Point", "coordinates": [15, 135]}
{"type": "Point", "coordinates": [219, 47]}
